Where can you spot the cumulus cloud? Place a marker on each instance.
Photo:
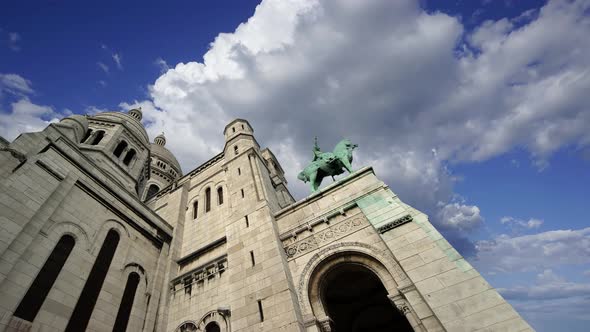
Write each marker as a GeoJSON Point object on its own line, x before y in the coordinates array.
{"type": "Point", "coordinates": [534, 252]}
{"type": "Point", "coordinates": [14, 84]}
{"type": "Point", "coordinates": [460, 216]}
{"type": "Point", "coordinates": [162, 64]}
{"type": "Point", "coordinates": [25, 116]}
{"type": "Point", "coordinates": [552, 295]}
{"type": "Point", "coordinates": [397, 80]}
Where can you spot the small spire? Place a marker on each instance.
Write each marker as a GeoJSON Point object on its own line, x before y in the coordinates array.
{"type": "Point", "coordinates": [160, 139]}
{"type": "Point", "coordinates": [136, 113]}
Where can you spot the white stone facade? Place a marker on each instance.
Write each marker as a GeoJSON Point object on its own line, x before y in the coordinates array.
{"type": "Point", "coordinates": [222, 248]}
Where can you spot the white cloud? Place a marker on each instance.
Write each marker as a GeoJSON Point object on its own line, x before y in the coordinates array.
{"type": "Point", "coordinates": [517, 224]}
{"type": "Point", "coordinates": [534, 252]}
{"type": "Point", "coordinates": [117, 58]}
{"type": "Point", "coordinates": [14, 84]}
{"type": "Point", "coordinates": [387, 75]}
{"type": "Point", "coordinates": [26, 116]}
{"type": "Point", "coordinates": [550, 296]}
{"type": "Point", "coordinates": [460, 216]}
{"type": "Point", "coordinates": [162, 64]}
{"type": "Point", "coordinates": [102, 66]}
{"type": "Point", "coordinates": [556, 288]}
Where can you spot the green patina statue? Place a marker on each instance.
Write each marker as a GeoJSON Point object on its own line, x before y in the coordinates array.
{"type": "Point", "coordinates": [328, 163]}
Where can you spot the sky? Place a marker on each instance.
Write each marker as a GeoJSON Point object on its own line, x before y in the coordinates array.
{"type": "Point", "coordinates": [475, 112]}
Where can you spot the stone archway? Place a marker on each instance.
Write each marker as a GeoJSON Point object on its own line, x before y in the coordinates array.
{"type": "Point", "coordinates": [355, 300]}
{"type": "Point", "coordinates": [312, 281]}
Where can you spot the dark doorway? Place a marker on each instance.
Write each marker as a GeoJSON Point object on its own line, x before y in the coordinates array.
{"type": "Point", "coordinates": [212, 327]}
{"type": "Point", "coordinates": [356, 301]}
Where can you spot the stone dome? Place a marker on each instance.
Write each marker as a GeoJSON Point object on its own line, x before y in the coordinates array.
{"type": "Point", "coordinates": [132, 123]}
{"type": "Point", "coordinates": [79, 123]}
{"type": "Point", "coordinates": [157, 149]}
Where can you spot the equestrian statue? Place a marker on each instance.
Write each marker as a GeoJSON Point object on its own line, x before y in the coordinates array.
{"type": "Point", "coordinates": [328, 163]}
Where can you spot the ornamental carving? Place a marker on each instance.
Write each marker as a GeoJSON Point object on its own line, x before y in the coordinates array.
{"type": "Point", "coordinates": [403, 308]}
{"type": "Point", "coordinates": [325, 236]}
{"type": "Point", "coordinates": [199, 275]}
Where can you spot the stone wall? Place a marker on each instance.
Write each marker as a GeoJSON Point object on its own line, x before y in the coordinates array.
{"type": "Point", "coordinates": [57, 191]}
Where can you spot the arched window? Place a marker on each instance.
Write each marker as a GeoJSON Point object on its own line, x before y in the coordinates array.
{"type": "Point", "coordinates": [35, 296]}
{"type": "Point", "coordinates": [126, 303]}
{"type": "Point", "coordinates": [120, 148]}
{"type": "Point", "coordinates": [233, 129]}
{"type": "Point", "coordinates": [87, 135]}
{"type": "Point", "coordinates": [195, 209]}
{"type": "Point", "coordinates": [129, 157]}
{"type": "Point", "coordinates": [87, 300]}
{"type": "Point", "coordinates": [152, 190]}
{"type": "Point", "coordinates": [235, 149]}
{"type": "Point", "coordinates": [187, 327]}
{"type": "Point", "coordinates": [97, 137]}
{"type": "Point", "coordinates": [220, 195]}
{"type": "Point", "coordinates": [207, 199]}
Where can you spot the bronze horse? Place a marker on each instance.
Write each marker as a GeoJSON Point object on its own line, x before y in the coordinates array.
{"type": "Point", "coordinates": [328, 163]}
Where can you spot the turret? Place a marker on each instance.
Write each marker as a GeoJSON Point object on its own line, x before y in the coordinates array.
{"type": "Point", "coordinates": [118, 142]}
{"type": "Point", "coordinates": [78, 125]}
{"type": "Point", "coordinates": [136, 113]}
{"type": "Point", "coordinates": [239, 136]}
{"type": "Point", "coordinates": [164, 168]}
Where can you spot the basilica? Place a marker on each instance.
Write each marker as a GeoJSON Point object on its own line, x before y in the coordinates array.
{"type": "Point", "coordinates": [100, 230]}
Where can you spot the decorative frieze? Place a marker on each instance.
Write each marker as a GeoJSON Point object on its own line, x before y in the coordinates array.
{"type": "Point", "coordinates": [199, 275]}
{"type": "Point", "coordinates": [325, 236]}
{"type": "Point", "coordinates": [325, 218]}
{"type": "Point", "coordinates": [397, 222]}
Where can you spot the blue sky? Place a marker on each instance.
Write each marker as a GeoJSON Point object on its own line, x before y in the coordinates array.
{"type": "Point", "coordinates": [475, 112]}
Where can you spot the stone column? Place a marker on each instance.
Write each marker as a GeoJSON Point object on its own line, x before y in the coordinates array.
{"type": "Point", "coordinates": [90, 138]}
{"type": "Point", "coordinates": [405, 309]}
{"type": "Point", "coordinates": [123, 153]}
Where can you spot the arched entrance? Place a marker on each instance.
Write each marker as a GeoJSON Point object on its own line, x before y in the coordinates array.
{"type": "Point", "coordinates": [212, 327]}
{"type": "Point", "coordinates": [356, 301]}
